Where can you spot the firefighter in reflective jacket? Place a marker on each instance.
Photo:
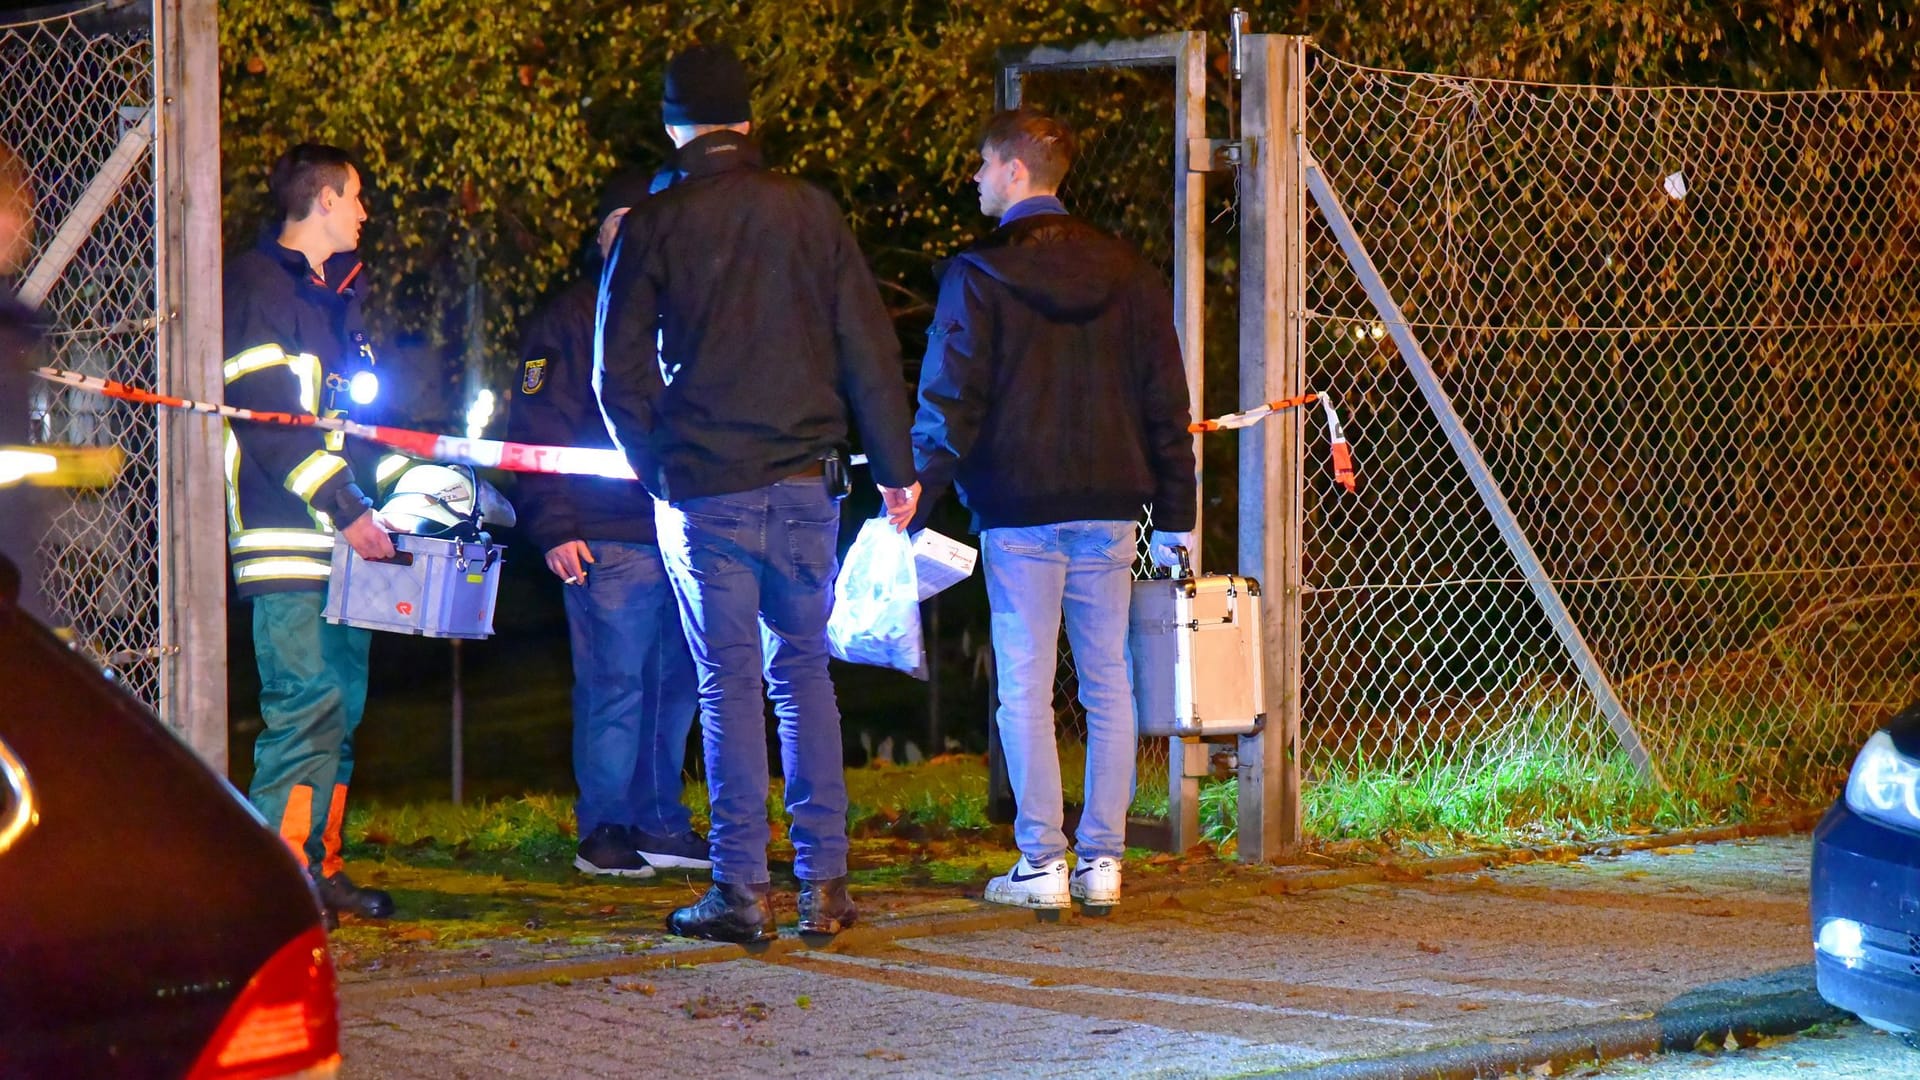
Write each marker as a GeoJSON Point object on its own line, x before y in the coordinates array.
{"type": "Point", "coordinates": [294, 343]}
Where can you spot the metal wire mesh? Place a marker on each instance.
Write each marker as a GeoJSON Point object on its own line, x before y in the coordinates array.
{"type": "Point", "coordinates": [1121, 181]}
{"type": "Point", "coordinates": [67, 96]}
{"type": "Point", "coordinates": [1680, 324]}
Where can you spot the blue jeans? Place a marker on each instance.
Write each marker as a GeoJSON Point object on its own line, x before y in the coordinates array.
{"type": "Point", "coordinates": [754, 575]}
{"type": "Point", "coordinates": [1083, 569]}
{"type": "Point", "coordinates": [633, 692]}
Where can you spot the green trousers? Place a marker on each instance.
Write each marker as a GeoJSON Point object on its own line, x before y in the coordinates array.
{"type": "Point", "coordinates": [313, 690]}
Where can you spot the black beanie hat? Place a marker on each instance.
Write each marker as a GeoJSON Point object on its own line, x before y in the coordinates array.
{"type": "Point", "coordinates": [706, 84]}
{"type": "Point", "coordinates": [628, 187]}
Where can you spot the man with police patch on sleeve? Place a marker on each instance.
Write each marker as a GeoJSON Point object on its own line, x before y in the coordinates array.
{"type": "Point", "coordinates": [634, 691]}
{"type": "Point", "coordinates": [293, 337]}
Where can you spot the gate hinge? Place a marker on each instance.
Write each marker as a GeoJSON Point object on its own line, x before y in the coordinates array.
{"type": "Point", "coordinates": [1215, 155]}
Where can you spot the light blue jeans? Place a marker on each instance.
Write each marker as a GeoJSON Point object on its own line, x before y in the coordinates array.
{"type": "Point", "coordinates": [1035, 575]}
{"type": "Point", "coordinates": [753, 572]}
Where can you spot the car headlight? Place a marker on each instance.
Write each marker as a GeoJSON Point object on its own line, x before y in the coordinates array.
{"type": "Point", "coordinates": [1885, 784]}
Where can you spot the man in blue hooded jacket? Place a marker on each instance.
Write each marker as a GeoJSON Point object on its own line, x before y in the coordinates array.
{"type": "Point", "coordinates": [1053, 396]}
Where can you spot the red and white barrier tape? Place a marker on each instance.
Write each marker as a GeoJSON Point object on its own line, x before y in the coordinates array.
{"type": "Point", "coordinates": [1342, 453]}
{"type": "Point", "coordinates": [484, 453]}
{"type": "Point", "coordinates": [571, 460]}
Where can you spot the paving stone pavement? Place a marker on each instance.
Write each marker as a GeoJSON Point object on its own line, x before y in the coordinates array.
{"type": "Point", "coordinates": [1190, 986]}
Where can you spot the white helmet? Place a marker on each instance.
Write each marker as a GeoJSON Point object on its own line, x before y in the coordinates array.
{"type": "Point", "coordinates": [430, 499]}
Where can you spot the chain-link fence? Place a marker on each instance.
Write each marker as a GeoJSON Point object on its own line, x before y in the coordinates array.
{"type": "Point", "coordinates": [71, 91]}
{"type": "Point", "coordinates": [1680, 324]}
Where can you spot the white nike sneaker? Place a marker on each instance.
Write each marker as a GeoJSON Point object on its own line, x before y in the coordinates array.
{"type": "Point", "coordinates": [1030, 886]}
{"type": "Point", "coordinates": [1096, 882]}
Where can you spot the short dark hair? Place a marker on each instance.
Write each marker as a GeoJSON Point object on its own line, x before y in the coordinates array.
{"type": "Point", "coordinates": [1044, 145]}
{"type": "Point", "coordinates": [302, 173]}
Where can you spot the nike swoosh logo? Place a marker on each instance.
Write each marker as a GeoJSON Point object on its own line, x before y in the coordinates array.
{"type": "Point", "coordinates": [1030, 877]}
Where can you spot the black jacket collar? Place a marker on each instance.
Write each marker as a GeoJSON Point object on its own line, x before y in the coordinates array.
{"type": "Point", "coordinates": [717, 152]}
{"type": "Point", "coordinates": [343, 270]}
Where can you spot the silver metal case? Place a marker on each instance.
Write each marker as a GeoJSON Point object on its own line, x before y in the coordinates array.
{"type": "Point", "coordinates": [1194, 647]}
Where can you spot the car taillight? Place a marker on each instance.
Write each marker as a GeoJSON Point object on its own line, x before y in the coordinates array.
{"type": "Point", "coordinates": [285, 1023]}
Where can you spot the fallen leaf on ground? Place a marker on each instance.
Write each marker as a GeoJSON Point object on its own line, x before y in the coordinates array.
{"type": "Point", "coordinates": [636, 988]}
{"type": "Point", "coordinates": [881, 1054]}
{"type": "Point", "coordinates": [1426, 948]}
{"type": "Point", "coordinates": [1682, 850]}
{"type": "Point", "coordinates": [1471, 1006]}
{"type": "Point", "coordinates": [418, 933]}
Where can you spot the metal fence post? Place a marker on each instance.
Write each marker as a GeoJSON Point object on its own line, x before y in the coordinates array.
{"type": "Point", "coordinates": [192, 522]}
{"type": "Point", "coordinates": [1187, 758]}
{"type": "Point", "coordinates": [1272, 361]}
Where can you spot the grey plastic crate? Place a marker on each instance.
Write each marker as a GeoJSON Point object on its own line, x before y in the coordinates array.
{"type": "Point", "coordinates": [431, 588]}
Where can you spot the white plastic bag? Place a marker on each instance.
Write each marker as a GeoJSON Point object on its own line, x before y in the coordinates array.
{"type": "Point", "coordinates": [876, 602]}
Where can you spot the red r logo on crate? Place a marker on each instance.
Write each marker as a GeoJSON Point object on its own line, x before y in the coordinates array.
{"type": "Point", "coordinates": [403, 608]}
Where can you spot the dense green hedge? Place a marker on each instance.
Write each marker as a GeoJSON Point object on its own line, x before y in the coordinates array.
{"type": "Point", "coordinates": [485, 129]}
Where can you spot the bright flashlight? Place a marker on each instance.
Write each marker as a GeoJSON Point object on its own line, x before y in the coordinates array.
{"type": "Point", "coordinates": [363, 387]}
{"type": "Point", "coordinates": [479, 413]}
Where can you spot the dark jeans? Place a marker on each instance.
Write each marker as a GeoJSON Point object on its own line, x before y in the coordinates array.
{"type": "Point", "coordinates": [753, 572]}
{"type": "Point", "coordinates": [633, 692]}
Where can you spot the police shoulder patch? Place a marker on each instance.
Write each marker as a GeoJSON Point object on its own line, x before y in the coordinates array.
{"type": "Point", "coordinates": [534, 376]}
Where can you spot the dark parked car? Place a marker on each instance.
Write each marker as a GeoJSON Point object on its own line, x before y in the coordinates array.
{"type": "Point", "coordinates": [150, 923]}
{"type": "Point", "coordinates": [1866, 884]}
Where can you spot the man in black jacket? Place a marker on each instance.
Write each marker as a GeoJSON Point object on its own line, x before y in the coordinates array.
{"type": "Point", "coordinates": [634, 693]}
{"type": "Point", "coordinates": [292, 332]}
{"type": "Point", "coordinates": [742, 331]}
{"type": "Point", "coordinates": [1053, 394]}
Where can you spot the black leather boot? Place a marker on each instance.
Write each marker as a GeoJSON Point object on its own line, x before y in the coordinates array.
{"type": "Point", "coordinates": [341, 896]}
{"type": "Point", "coordinates": [729, 912]}
{"type": "Point", "coordinates": [825, 907]}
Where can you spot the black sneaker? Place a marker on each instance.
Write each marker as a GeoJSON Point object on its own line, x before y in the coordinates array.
{"type": "Point", "coordinates": [688, 851]}
{"type": "Point", "coordinates": [608, 851]}
{"type": "Point", "coordinates": [825, 907]}
{"type": "Point", "coordinates": [738, 913]}
{"type": "Point", "coordinates": [340, 896]}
